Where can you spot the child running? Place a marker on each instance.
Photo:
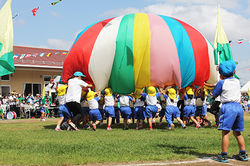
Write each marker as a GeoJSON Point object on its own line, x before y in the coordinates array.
{"type": "Point", "coordinates": [125, 109]}
{"type": "Point", "coordinates": [231, 113]}
{"type": "Point", "coordinates": [109, 102]}
{"type": "Point", "coordinates": [94, 113]}
{"type": "Point", "coordinates": [201, 106]}
{"type": "Point", "coordinates": [139, 108]}
{"type": "Point", "coordinates": [172, 111]}
{"type": "Point", "coordinates": [151, 100]}
{"type": "Point", "coordinates": [61, 99]}
{"type": "Point", "coordinates": [189, 109]}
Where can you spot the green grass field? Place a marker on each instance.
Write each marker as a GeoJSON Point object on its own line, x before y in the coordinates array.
{"type": "Point", "coordinates": [31, 142]}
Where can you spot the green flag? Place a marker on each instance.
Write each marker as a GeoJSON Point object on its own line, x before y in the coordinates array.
{"type": "Point", "coordinates": [6, 40]}
{"type": "Point", "coordinates": [221, 44]}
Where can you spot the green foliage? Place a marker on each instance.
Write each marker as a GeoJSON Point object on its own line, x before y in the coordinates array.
{"type": "Point", "coordinates": [37, 143]}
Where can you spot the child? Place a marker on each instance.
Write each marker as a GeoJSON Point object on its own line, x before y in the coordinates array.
{"type": "Point", "coordinates": [109, 102]}
{"type": "Point", "coordinates": [125, 109]}
{"type": "Point", "coordinates": [231, 113]}
{"type": "Point", "coordinates": [189, 109]}
{"type": "Point", "coordinates": [85, 110]}
{"type": "Point", "coordinates": [61, 99]}
{"type": "Point", "coordinates": [172, 111]}
{"type": "Point", "coordinates": [151, 100]}
{"type": "Point", "coordinates": [1, 111]}
{"type": "Point", "coordinates": [201, 106]}
{"type": "Point", "coordinates": [94, 113]}
{"type": "Point", "coordinates": [139, 108]}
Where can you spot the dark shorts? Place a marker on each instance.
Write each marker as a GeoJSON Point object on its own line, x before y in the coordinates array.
{"type": "Point", "coordinates": [139, 113]}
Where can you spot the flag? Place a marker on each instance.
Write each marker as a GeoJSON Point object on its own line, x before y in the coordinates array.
{"type": "Point", "coordinates": [22, 56]}
{"type": "Point", "coordinates": [49, 54]}
{"type": "Point", "coordinates": [221, 44]}
{"type": "Point", "coordinates": [42, 54]}
{"type": "Point", "coordinates": [15, 56]}
{"type": "Point", "coordinates": [6, 40]}
{"type": "Point", "coordinates": [239, 41]}
{"type": "Point", "coordinates": [54, 3]}
{"type": "Point", "coordinates": [34, 11]}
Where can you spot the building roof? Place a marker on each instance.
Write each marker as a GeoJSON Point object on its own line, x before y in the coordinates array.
{"type": "Point", "coordinates": [38, 57]}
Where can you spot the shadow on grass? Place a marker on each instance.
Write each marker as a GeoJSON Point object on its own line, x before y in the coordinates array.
{"type": "Point", "coordinates": [132, 126]}
{"type": "Point", "coordinates": [185, 150]}
{"type": "Point", "coordinates": [50, 127]}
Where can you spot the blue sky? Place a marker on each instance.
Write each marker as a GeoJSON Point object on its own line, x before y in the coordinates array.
{"type": "Point", "coordinates": [57, 26]}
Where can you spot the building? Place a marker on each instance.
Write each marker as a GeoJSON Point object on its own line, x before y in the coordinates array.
{"type": "Point", "coordinates": [34, 67]}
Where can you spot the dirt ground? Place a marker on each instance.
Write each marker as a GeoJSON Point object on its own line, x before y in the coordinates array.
{"type": "Point", "coordinates": [197, 162]}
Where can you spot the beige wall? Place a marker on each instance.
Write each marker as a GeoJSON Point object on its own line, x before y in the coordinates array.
{"type": "Point", "coordinates": [28, 75]}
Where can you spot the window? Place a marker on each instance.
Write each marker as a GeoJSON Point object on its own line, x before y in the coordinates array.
{"type": "Point", "coordinates": [46, 78]}
{"type": "Point", "coordinates": [32, 88]}
{"type": "Point", "coordinates": [5, 90]}
{"type": "Point", "coordinates": [5, 78]}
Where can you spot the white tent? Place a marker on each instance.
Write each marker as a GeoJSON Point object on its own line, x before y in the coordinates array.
{"type": "Point", "coordinates": [245, 88]}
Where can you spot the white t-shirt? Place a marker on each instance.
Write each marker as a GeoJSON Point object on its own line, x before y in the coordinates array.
{"type": "Point", "coordinates": [12, 100]}
{"type": "Point", "coordinates": [75, 90]}
{"type": "Point", "coordinates": [151, 100]}
{"type": "Point", "coordinates": [188, 101]}
{"type": "Point", "coordinates": [61, 99]}
{"type": "Point", "coordinates": [124, 100]}
{"type": "Point", "coordinates": [169, 102]}
{"type": "Point", "coordinates": [139, 102]}
{"type": "Point", "coordinates": [228, 89]}
{"type": "Point", "coordinates": [93, 103]}
{"type": "Point", "coordinates": [109, 101]}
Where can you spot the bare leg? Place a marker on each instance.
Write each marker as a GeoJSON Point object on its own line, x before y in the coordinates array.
{"type": "Point", "coordinates": [192, 118]}
{"type": "Point", "coordinates": [109, 121]}
{"type": "Point", "coordinates": [225, 140]}
{"type": "Point", "coordinates": [150, 123]}
{"type": "Point", "coordinates": [240, 140]}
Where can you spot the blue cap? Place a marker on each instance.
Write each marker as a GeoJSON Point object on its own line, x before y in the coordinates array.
{"type": "Point", "coordinates": [227, 68]}
{"type": "Point", "coordinates": [78, 73]}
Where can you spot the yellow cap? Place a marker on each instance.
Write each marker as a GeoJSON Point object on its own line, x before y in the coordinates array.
{"type": "Point", "coordinates": [90, 95]}
{"type": "Point", "coordinates": [206, 93]}
{"type": "Point", "coordinates": [108, 92]}
{"type": "Point", "coordinates": [151, 91]}
{"type": "Point", "coordinates": [62, 90]}
{"type": "Point", "coordinates": [172, 93]}
{"type": "Point", "coordinates": [137, 93]}
{"type": "Point", "coordinates": [189, 91]}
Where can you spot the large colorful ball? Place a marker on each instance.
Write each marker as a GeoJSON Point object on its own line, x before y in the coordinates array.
{"type": "Point", "coordinates": [138, 50]}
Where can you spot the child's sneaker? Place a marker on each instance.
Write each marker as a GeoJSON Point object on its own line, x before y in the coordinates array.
{"type": "Point", "coordinates": [241, 157]}
{"type": "Point", "coordinates": [73, 126]}
{"type": "Point", "coordinates": [140, 126]}
{"type": "Point", "coordinates": [184, 126]}
{"type": "Point", "coordinates": [109, 128]}
{"type": "Point", "coordinates": [221, 158]}
{"type": "Point", "coordinates": [58, 129]}
{"type": "Point", "coordinates": [94, 127]}
{"type": "Point", "coordinates": [197, 126]}
{"type": "Point", "coordinates": [137, 128]}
